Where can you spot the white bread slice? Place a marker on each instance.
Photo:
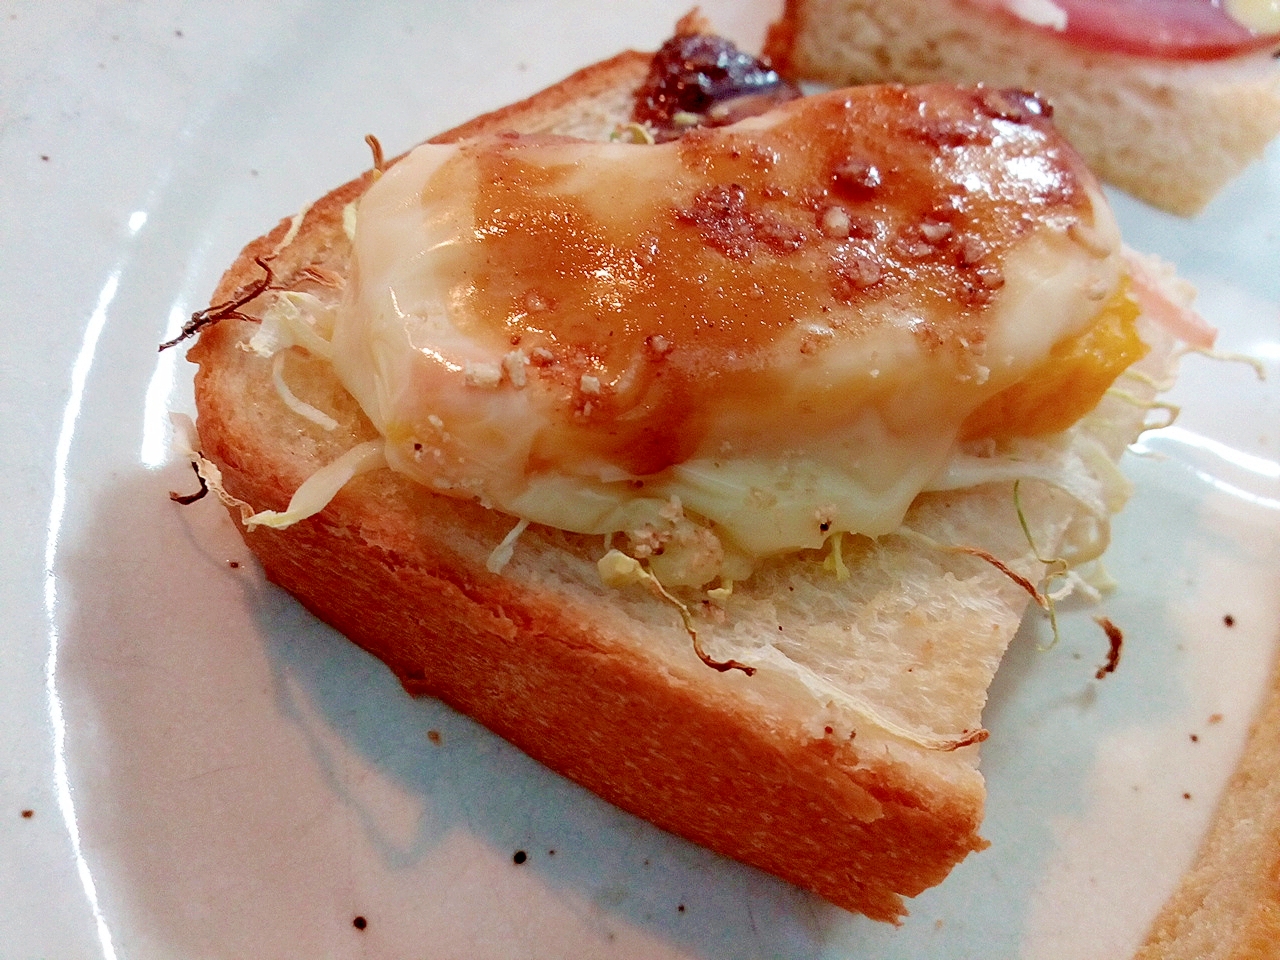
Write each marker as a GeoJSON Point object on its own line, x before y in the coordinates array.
{"type": "Point", "coordinates": [1172, 133]}
{"type": "Point", "coordinates": [839, 765]}
{"type": "Point", "coordinates": [1227, 905]}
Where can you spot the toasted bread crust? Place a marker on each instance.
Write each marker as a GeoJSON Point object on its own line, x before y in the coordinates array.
{"type": "Point", "coordinates": [603, 686]}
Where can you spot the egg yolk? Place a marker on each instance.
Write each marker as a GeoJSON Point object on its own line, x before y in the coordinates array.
{"type": "Point", "coordinates": [1068, 383]}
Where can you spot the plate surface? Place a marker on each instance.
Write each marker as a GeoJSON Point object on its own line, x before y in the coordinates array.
{"type": "Point", "coordinates": [194, 767]}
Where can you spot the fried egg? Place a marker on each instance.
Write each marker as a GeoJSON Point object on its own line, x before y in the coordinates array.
{"type": "Point", "coordinates": [737, 343]}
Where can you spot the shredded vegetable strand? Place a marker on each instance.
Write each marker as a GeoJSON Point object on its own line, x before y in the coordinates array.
{"type": "Point", "coordinates": [1054, 567]}
{"type": "Point", "coordinates": [187, 442]}
{"type": "Point", "coordinates": [834, 560]}
{"type": "Point", "coordinates": [503, 552]}
{"type": "Point", "coordinates": [866, 711]}
{"type": "Point", "coordinates": [1044, 602]}
{"type": "Point", "coordinates": [292, 233]}
{"type": "Point", "coordinates": [293, 320]}
{"type": "Point", "coordinates": [617, 569]}
{"type": "Point", "coordinates": [1258, 367]}
{"type": "Point", "coordinates": [321, 487]}
{"type": "Point", "coordinates": [292, 401]}
{"type": "Point", "coordinates": [1058, 563]}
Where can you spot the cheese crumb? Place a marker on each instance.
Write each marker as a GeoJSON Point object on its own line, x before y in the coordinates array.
{"type": "Point", "coordinates": [617, 569]}
{"type": "Point", "coordinates": [836, 222]}
{"type": "Point", "coordinates": [487, 375]}
{"type": "Point", "coordinates": [935, 230]}
{"type": "Point", "coordinates": [513, 364]}
{"type": "Point", "coordinates": [659, 344]}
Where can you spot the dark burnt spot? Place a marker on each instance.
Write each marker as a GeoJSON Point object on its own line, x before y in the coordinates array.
{"type": "Point", "coordinates": [519, 857]}
{"type": "Point", "coordinates": [1115, 642]}
{"type": "Point", "coordinates": [705, 80]}
{"type": "Point", "coordinates": [1018, 106]}
{"type": "Point", "coordinates": [853, 271]}
{"type": "Point", "coordinates": [857, 178]}
{"type": "Point", "coordinates": [940, 131]}
{"type": "Point", "coordinates": [728, 222]}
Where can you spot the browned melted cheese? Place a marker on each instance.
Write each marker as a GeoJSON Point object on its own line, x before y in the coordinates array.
{"type": "Point", "coordinates": [879, 197]}
{"type": "Point", "coordinates": [743, 340]}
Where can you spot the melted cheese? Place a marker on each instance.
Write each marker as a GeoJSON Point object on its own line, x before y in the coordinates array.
{"type": "Point", "coordinates": [728, 346]}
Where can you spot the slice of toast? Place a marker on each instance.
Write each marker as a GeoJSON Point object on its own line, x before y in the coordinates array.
{"type": "Point", "coordinates": [846, 764]}
{"type": "Point", "coordinates": [1172, 133]}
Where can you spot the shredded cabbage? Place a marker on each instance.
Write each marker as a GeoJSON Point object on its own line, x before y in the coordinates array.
{"type": "Point", "coordinates": [294, 226]}
{"type": "Point", "coordinates": [323, 485]}
{"type": "Point", "coordinates": [295, 319]}
{"type": "Point", "coordinates": [349, 221]}
{"type": "Point", "coordinates": [292, 401]}
{"type": "Point", "coordinates": [834, 561]}
{"type": "Point", "coordinates": [502, 553]}
{"type": "Point", "coordinates": [186, 442]}
{"type": "Point", "coordinates": [863, 708]}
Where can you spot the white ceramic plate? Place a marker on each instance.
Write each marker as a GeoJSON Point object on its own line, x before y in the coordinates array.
{"type": "Point", "coordinates": [193, 767]}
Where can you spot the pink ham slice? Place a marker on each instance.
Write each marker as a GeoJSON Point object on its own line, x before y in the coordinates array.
{"type": "Point", "coordinates": [1165, 29]}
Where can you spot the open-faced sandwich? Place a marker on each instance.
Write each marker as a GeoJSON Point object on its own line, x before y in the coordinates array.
{"type": "Point", "coordinates": [705, 441]}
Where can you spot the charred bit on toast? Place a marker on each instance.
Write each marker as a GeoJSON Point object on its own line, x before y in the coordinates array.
{"type": "Point", "coordinates": [1040, 599]}
{"type": "Point", "coordinates": [699, 79]}
{"type": "Point", "coordinates": [228, 308]}
{"type": "Point", "coordinates": [967, 738]}
{"type": "Point", "coordinates": [721, 666]}
{"type": "Point", "coordinates": [186, 498]}
{"type": "Point", "coordinates": [379, 162]}
{"type": "Point", "coordinates": [1116, 640]}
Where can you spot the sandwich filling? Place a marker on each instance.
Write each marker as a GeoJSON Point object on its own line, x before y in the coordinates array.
{"type": "Point", "coordinates": [1161, 29]}
{"type": "Point", "coordinates": [743, 341]}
